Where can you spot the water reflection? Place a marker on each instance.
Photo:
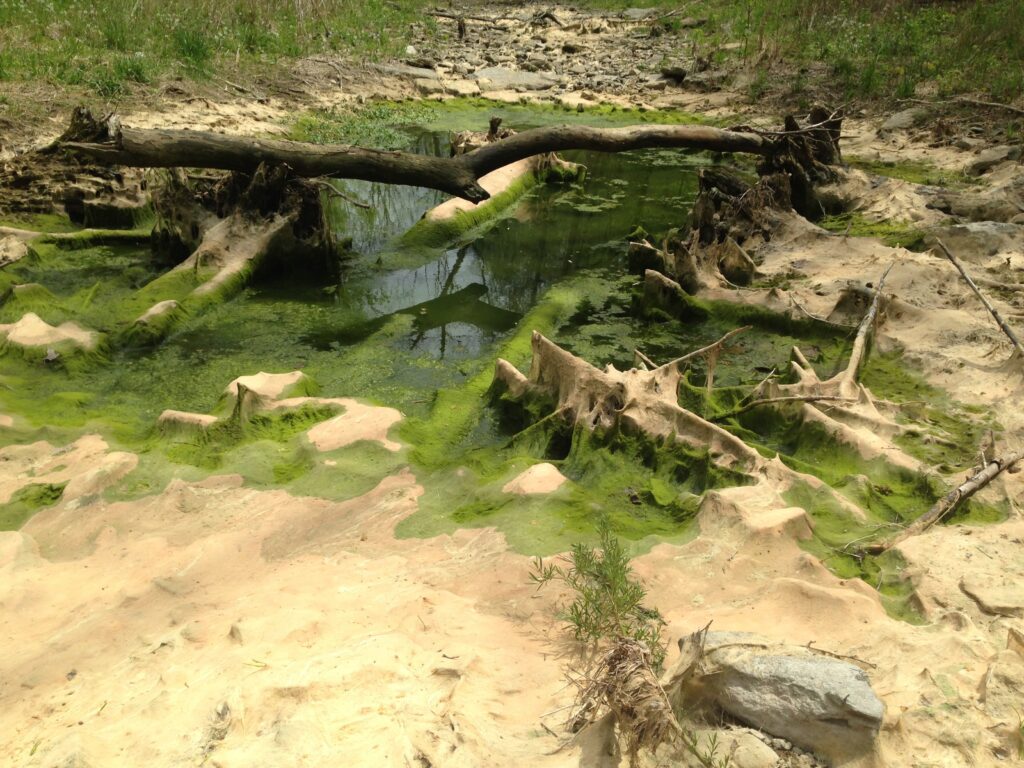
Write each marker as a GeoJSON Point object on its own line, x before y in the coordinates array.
{"type": "Point", "coordinates": [464, 298]}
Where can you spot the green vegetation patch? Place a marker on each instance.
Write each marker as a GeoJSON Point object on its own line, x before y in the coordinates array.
{"type": "Point", "coordinates": [111, 46]}
{"type": "Point", "coordinates": [894, 234]}
{"type": "Point", "coordinates": [872, 48]}
{"type": "Point", "coordinates": [916, 172]}
{"type": "Point", "coordinates": [26, 501]}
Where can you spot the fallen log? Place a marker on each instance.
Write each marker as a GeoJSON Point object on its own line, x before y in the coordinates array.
{"type": "Point", "coordinates": [458, 176]}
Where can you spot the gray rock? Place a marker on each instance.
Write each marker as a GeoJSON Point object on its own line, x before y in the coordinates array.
{"type": "Point", "coordinates": [818, 703]}
{"type": "Point", "coordinates": [995, 599]}
{"type": "Point", "coordinates": [404, 70]}
{"type": "Point", "coordinates": [977, 240]}
{"type": "Point", "coordinates": [639, 14]}
{"type": "Point", "coordinates": [505, 79]}
{"type": "Point", "coordinates": [901, 121]}
{"type": "Point", "coordinates": [706, 81]}
{"type": "Point", "coordinates": [989, 158]}
{"type": "Point", "coordinates": [427, 86]}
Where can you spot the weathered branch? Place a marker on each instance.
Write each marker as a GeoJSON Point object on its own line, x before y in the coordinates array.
{"type": "Point", "coordinates": [944, 506]}
{"type": "Point", "coordinates": [984, 300]}
{"type": "Point", "coordinates": [867, 325]}
{"type": "Point", "coordinates": [776, 400]}
{"type": "Point", "coordinates": [458, 176]}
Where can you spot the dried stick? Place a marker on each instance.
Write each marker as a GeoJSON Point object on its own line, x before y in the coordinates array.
{"type": "Point", "coordinates": [638, 355]}
{"type": "Point", "coordinates": [866, 326]}
{"type": "Point", "coordinates": [988, 305]}
{"type": "Point", "coordinates": [944, 506]}
{"type": "Point", "coordinates": [788, 399]}
{"type": "Point", "coordinates": [705, 350]}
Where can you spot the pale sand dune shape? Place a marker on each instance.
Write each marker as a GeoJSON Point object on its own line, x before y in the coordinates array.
{"type": "Point", "coordinates": [270, 386]}
{"type": "Point", "coordinates": [32, 331]}
{"type": "Point", "coordinates": [539, 479]}
{"type": "Point", "coordinates": [358, 422]}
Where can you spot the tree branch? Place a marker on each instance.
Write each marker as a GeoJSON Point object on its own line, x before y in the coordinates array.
{"type": "Point", "coordinates": [988, 305]}
{"type": "Point", "coordinates": [944, 506]}
{"type": "Point", "coordinates": [458, 176]}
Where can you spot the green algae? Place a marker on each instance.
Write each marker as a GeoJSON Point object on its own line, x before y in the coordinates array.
{"type": "Point", "coordinates": [388, 124]}
{"type": "Point", "coordinates": [836, 533]}
{"type": "Point", "coordinates": [916, 172]}
{"type": "Point", "coordinates": [895, 234]}
{"type": "Point", "coordinates": [418, 327]}
{"type": "Point", "coordinates": [26, 501]}
{"type": "Point", "coordinates": [432, 233]}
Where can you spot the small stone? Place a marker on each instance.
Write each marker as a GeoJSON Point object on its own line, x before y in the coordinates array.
{"type": "Point", "coordinates": [901, 121]}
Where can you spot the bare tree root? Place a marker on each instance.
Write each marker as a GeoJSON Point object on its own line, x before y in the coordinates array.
{"type": "Point", "coordinates": [227, 226]}
{"type": "Point", "coordinates": [639, 401]}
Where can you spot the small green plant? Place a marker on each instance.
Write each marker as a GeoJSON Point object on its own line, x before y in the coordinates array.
{"type": "Point", "coordinates": [608, 598]}
{"type": "Point", "coordinates": [131, 68]}
{"type": "Point", "coordinates": [759, 85]}
{"type": "Point", "coordinates": [193, 48]}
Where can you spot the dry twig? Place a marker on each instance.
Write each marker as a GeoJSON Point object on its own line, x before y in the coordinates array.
{"type": "Point", "coordinates": [984, 300]}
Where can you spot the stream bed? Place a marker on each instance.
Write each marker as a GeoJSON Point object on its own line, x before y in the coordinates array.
{"type": "Point", "coordinates": [419, 329]}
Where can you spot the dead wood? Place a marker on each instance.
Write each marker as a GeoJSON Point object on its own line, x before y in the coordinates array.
{"type": "Point", "coordinates": [458, 176]}
{"type": "Point", "coordinates": [637, 401]}
{"type": "Point", "coordinates": [842, 386]}
{"type": "Point", "coordinates": [984, 300]}
{"type": "Point", "coordinates": [867, 327]}
{"type": "Point", "coordinates": [623, 683]}
{"type": "Point", "coordinates": [948, 503]}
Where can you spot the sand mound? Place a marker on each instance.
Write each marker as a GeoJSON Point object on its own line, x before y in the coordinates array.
{"type": "Point", "coordinates": [358, 422]}
{"type": "Point", "coordinates": [538, 479]}
{"type": "Point", "coordinates": [270, 386]}
{"type": "Point", "coordinates": [33, 331]}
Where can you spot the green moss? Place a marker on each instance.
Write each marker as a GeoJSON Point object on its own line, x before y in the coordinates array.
{"type": "Point", "coordinates": [836, 533]}
{"type": "Point", "coordinates": [432, 233]}
{"type": "Point", "coordinates": [40, 222]}
{"type": "Point", "coordinates": [208, 449]}
{"type": "Point", "coordinates": [456, 412]}
{"type": "Point", "coordinates": [647, 493]}
{"type": "Point", "coordinates": [941, 432]}
{"type": "Point", "coordinates": [893, 233]}
{"type": "Point", "coordinates": [916, 172]}
{"type": "Point", "coordinates": [26, 501]}
{"type": "Point", "coordinates": [389, 124]}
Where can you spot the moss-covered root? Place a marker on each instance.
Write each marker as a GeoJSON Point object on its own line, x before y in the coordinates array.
{"type": "Point", "coordinates": [637, 401]}
{"type": "Point", "coordinates": [228, 255]}
{"type": "Point", "coordinates": [452, 219]}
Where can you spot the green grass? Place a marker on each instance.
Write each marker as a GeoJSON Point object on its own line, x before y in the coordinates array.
{"type": "Point", "coordinates": [27, 501]}
{"type": "Point", "coordinates": [108, 45]}
{"type": "Point", "coordinates": [872, 48]}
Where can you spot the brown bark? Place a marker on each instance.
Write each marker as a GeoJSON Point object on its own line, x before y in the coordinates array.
{"type": "Point", "coordinates": [458, 176]}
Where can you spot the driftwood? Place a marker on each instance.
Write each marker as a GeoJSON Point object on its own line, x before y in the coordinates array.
{"type": "Point", "coordinates": [984, 300]}
{"type": "Point", "coordinates": [945, 506]}
{"type": "Point", "coordinates": [458, 176]}
{"type": "Point", "coordinates": [867, 327]}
